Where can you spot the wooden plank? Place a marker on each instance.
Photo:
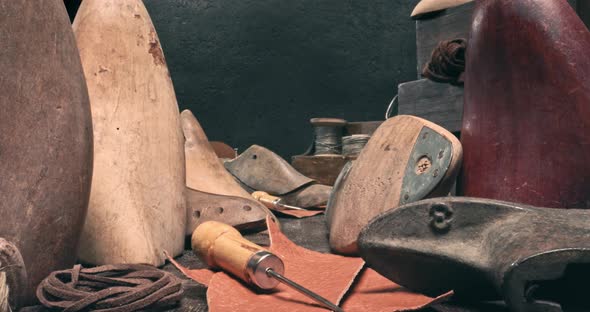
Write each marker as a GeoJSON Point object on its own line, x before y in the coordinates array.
{"type": "Point", "coordinates": [440, 103]}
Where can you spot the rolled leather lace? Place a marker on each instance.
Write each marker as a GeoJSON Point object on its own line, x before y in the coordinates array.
{"type": "Point", "coordinates": [110, 288]}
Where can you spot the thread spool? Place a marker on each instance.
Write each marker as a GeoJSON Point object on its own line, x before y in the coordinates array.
{"type": "Point", "coordinates": [328, 135]}
{"type": "Point", "coordinates": [352, 145]}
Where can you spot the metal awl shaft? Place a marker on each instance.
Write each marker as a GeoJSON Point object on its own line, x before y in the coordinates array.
{"type": "Point", "coordinates": [289, 207]}
{"type": "Point", "coordinates": [319, 299]}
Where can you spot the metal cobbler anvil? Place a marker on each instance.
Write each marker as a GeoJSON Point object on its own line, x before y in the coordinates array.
{"type": "Point", "coordinates": [537, 259]}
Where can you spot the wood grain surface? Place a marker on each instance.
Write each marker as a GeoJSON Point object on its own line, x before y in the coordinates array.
{"type": "Point", "coordinates": [45, 137]}
{"type": "Point", "coordinates": [137, 205]}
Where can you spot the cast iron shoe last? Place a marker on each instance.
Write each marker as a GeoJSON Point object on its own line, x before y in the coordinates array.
{"type": "Point", "coordinates": [537, 259]}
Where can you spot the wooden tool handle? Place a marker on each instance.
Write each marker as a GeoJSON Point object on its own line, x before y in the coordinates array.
{"type": "Point", "coordinates": [223, 247]}
{"type": "Point", "coordinates": [268, 200]}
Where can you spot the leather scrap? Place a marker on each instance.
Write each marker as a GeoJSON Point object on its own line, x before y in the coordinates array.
{"type": "Point", "coordinates": [260, 169]}
{"type": "Point", "coordinates": [201, 276]}
{"type": "Point", "coordinates": [330, 275]}
{"type": "Point", "coordinates": [110, 288]}
{"type": "Point", "coordinates": [375, 293]}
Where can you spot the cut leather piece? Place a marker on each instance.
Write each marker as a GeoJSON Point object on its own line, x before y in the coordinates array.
{"type": "Point", "coordinates": [137, 203]}
{"type": "Point", "coordinates": [315, 195]}
{"type": "Point", "coordinates": [45, 138]}
{"type": "Point", "coordinates": [14, 285]}
{"type": "Point", "coordinates": [375, 293]}
{"type": "Point", "coordinates": [317, 271]}
{"type": "Point", "coordinates": [201, 276]}
{"type": "Point", "coordinates": [535, 258]}
{"type": "Point", "coordinates": [238, 212]}
{"type": "Point", "coordinates": [406, 159]}
{"type": "Point", "coordinates": [429, 6]}
{"type": "Point", "coordinates": [262, 170]}
{"type": "Point", "coordinates": [328, 275]}
{"type": "Point", "coordinates": [526, 132]}
{"type": "Point", "coordinates": [223, 151]}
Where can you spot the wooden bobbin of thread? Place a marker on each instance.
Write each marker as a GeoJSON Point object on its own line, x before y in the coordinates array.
{"type": "Point", "coordinates": [353, 145]}
{"type": "Point", "coordinates": [328, 135]}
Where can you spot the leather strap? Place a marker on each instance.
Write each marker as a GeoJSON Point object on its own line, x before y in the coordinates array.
{"type": "Point", "coordinates": [109, 288]}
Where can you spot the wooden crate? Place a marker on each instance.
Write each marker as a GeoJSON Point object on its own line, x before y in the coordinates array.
{"type": "Point", "coordinates": [440, 103]}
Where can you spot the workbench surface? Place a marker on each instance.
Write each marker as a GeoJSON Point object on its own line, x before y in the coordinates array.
{"type": "Point", "coordinates": [315, 238]}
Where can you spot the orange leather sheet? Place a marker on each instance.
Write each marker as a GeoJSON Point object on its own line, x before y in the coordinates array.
{"type": "Point", "coordinates": [375, 293]}
{"type": "Point", "coordinates": [329, 275]}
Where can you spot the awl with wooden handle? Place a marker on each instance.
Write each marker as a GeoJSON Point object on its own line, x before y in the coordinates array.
{"type": "Point", "coordinates": [272, 202]}
{"type": "Point", "coordinates": [222, 246]}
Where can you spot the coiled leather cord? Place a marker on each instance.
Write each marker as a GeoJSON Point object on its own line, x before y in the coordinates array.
{"type": "Point", "coordinates": [109, 288]}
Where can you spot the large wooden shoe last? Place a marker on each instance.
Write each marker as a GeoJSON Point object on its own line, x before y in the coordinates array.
{"type": "Point", "coordinates": [407, 159]}
{"type": "Point", "coordinates": [526, 123]}
{"type": "Point", "coordinates": [45, 139]}
{"type": "Point", "coordinates": [212, 192]}
{"type": "Point", "coordinates": [137, 205]}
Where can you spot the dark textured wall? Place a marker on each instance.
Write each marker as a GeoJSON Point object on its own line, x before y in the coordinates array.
{"type": "Point", "coordinates": [255, 71]}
